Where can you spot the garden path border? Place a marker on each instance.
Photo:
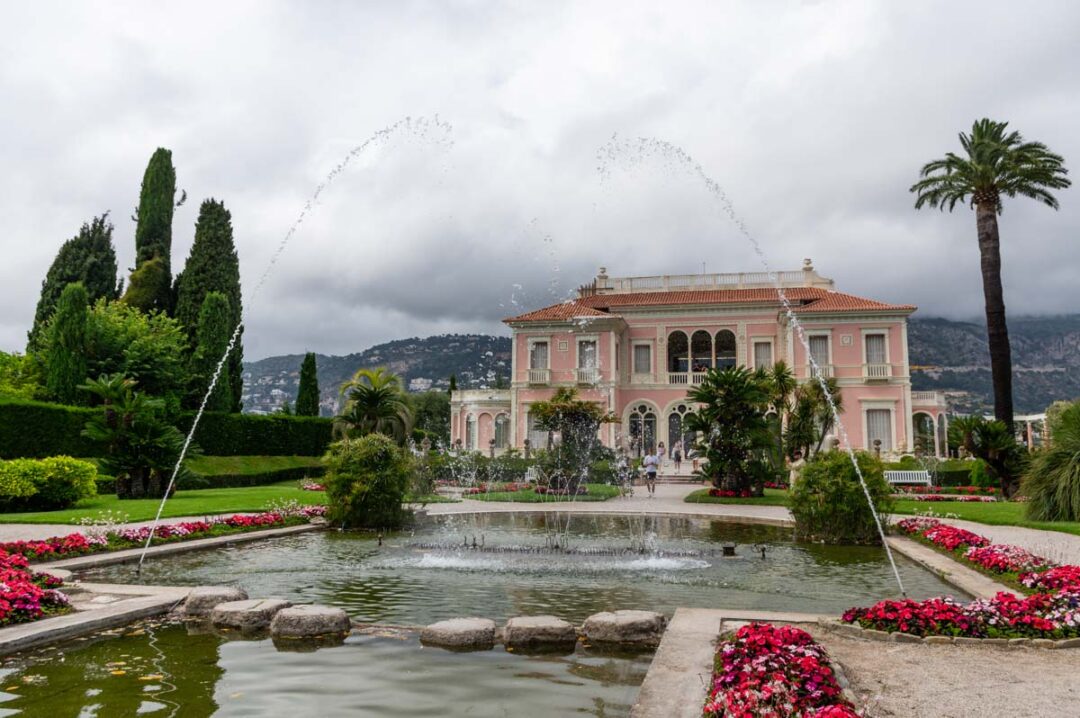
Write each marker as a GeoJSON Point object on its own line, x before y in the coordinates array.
{"type": "Point", "coordinates": [948, 569]}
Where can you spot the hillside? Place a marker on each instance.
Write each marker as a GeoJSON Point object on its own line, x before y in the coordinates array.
{"type": "Point", "coordinates": [946, 355]}
{"type": "Point", "coordinates": [477, 360]}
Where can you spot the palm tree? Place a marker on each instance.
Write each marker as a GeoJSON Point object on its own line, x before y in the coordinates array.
{"type": "Point", "coordinates": [1052, 481]}
{"type": "Point", "coordinates": [997, 163]}
{"type": "Point", "coordinates": [375, 403]}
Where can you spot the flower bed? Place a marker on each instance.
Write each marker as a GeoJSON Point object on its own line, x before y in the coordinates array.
{"type": "Point", "coordinates": [309, 485]}
{"type": "Point", "coordinates": [24, 595]}
{"type": "Point", "coordinates": [730, 493]}
{"type": "Point", "coordinates": [78, 544]}
{"type": "Point", "coordinates": [950, 490]}
{"type": "Point", "coordinates": [1053, 612]}
{"type": "Point", "coordinates": [964, 499]}
{"type": "Point", "coordinates": [766, 670]}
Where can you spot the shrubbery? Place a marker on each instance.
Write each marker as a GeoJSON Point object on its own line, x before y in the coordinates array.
{"type": "Point", "coordinates": [1052, 482]}
{"type": "Point", "coordinates": [38, 429]}
{"type": "Point", "coordinates": [366, 482]}
{"type": "Point", "coordinates": [828, 502]}
{"type": "Point", "coordinates": [45, 484]}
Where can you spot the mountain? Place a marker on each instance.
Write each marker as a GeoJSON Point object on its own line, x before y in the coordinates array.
{"type": "Point", "coordinates": [945, 355]}
{"type": "Point", "coordinates": [952, 357]}
{"type": "Point", "coordinates": [478, 361]}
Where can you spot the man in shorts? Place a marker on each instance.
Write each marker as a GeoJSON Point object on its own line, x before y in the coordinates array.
{"type": "Point", "coordinates": [651, 464]}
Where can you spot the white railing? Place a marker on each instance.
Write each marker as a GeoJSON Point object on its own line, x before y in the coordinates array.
{"type": "Point", "coordinates": [678, 377]}
{"type": "Point", "coordinates": [728, 280]}
{"type": "Point", "coordinates": [823, 370]}
{"type": "Point", "coordinates": [539, 376]}
{"type": "Point", "coordinates": [697, 377]}
{"type": "Point", "coordinates": [877, 371]}
{"type": "Point", "coordinates": [928, 397]}
{"type": "Point", "coordinates": [587, 375]}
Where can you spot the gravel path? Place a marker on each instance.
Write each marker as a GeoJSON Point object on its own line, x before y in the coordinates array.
{"type": "Point", "coordinates": [920, 681]}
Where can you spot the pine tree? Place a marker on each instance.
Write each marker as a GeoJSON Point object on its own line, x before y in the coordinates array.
{"type": "Point", "coordinates": [212, 338]}
{"type": "Point", "coordinates": [89, 258]}
{"type": "Point", "coordinates": [66, 362]}
{"type": "Point", "coordinates": [307, 395]}
{"type": "Point", "coordinates": [453, 384]}
{"type": "Point", "coordinates": [150, 290]}
{"type": "Point", "coordinates": [213, 266]}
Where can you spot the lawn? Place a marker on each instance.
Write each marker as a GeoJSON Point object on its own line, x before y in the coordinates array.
{"type": "Point", "coordinates": [597, 492]}
{"type": "Point", "coordinates": [196, 502]}
{"type": "Point", "coordinates": [246, 465]}
{"type": "Point", "coordinates": [998, 513]}
{"type": "Point", "coordinates": [772, 497]}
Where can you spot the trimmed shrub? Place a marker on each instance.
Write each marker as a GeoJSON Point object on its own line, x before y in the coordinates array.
{"type": "Point", "coordinates": [45, 484]}
{"type": "Point", "coordinates": [366, 482]}
{"type": "Point", "coordinates": [222, 434]}
{"type": "Point", "coordinates": [36, 429]}
{"type": "Point", "coordinates": [829, 504]}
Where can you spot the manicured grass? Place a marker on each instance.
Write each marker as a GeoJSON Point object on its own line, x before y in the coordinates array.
{"type": "Point", "coordinates": [998, 513]}
{"type": "Point", "coordinates": [198, 502]}
{"type": "Point", "coordinates": [431, 499]}
{"type": "Point", "coordinates": [597, 492]}
{"type": "Point", "coordinates": [772, 497]}
{"type": "Point", "coordinates": [214, 465]}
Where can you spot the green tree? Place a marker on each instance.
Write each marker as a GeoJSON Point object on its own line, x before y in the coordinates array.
{"type": "Point", "coordinates": [453, 384]}
{"type": "Point", "coordinates": [735, 435]}
{"type": "Point", "coordinates": [431, 414]}
{"type": "Point", "coordinates": [20, 377]}
{"type": "Point", "coordinates": [66, 360]}
{"type": "Point", "coordinates": [150, 349]}
{"type": "Point", "coordinates": [995, 444]}
{"type": "Point", "coordinates": [367, 479]}
{"type": "Point", "coordinates": [1052, 481]}
{"type": "Point", "coordinates": [995, 163]}
{"type": "Point", "coordinates": [89, 258]}
{"type": "Point", "coordinates": [147, 286]}
{"type": "Point", "coordinates": [150, 287]}
{"type": "Point", "coordinates": [812, 417]}
{"type": "Point", "coordinates": [577, 423]}
{"type": "Point", "coordinates": [213, 266]}
{"type": "Point", "coordinates": [212, 339]}
{"type": "Point", "coordinates": [375, 403]}
{"type": "Point", "coordinates": [307, 394]}
{"type": "Point", "coordinates": [141, 447]}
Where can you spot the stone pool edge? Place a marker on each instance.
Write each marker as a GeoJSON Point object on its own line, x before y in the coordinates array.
{"type": "Point", "coordinates": [947, 569]}
{"type": "Point", "coordinates": [130, 555]}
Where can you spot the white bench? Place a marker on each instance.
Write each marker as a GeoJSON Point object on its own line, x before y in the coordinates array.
{"type": "Point", "coordinates": [532, 474]}
{"type": "Point", "coordinates": [908, 477]}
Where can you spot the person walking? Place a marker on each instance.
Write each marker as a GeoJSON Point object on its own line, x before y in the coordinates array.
{"type": "Point", "coordinates": [676, 455]}
{"type": "Point", "coordinates": [651, 464]}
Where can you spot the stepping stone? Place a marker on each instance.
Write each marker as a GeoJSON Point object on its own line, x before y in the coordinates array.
{"type": "Point", "coordinates": [476, 633]}
{"type": "Point", "coordinates": [309, 621]}
{"type": "Point", "coordinates": [202, 599]}
{"type": "Point", "coordinates": [538, 632]}
{"type": "Point", "coordinates": [251, 615]}
{"type": "Point", "coordinates": [639, 628]}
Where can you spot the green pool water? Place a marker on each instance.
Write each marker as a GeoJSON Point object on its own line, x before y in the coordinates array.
{"type": "Point", "coordinates": [424, 575]}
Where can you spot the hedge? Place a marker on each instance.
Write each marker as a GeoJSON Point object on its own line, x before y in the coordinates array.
{"type": "Point", "coordinates": [45, 484]}
{"type": "Point", "coordinates": [228, 481]}
{"type": "Point", "coordinates": [34, 429]}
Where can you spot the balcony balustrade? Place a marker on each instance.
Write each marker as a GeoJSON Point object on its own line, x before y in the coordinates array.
{"type": "Point", "coordinates": [824, 371]}
{"type": "Point", "coordinates": [877, 371]}
{"type": "Point", "coordinates": [539, 376]}
{"type": "Point", "coordinates": [587, 375]}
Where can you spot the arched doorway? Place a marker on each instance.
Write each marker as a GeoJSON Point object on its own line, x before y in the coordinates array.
{"type": "Point", "coordinates": [677, 431]}
{"type": "Point", "coordinates": [925, 428]}
{"type": "Point", "coordinates": [642, 425]}
{"type": "Point", "coordinates": [726, 349]}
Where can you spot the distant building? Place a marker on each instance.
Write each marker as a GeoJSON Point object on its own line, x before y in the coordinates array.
{"type": "Point", "coordinates": [636, 344]}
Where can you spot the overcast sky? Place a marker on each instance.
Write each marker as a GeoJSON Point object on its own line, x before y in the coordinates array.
{"type": "Point", "coordinates": [814, 117]}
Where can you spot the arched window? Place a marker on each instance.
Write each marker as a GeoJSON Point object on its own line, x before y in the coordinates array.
{"type": "Point", "coordinates": [677, 430]}
{"type": "Point", "coordinates": [502, 431]}
{"type": "Point", "coordinates": [678, 353]}
{"type": "Point", "coordinates": [701, 358]}
{"type": "Point", "coordinates": [726, 349]}
{"type": "Point", "coordinates": [642, 429]}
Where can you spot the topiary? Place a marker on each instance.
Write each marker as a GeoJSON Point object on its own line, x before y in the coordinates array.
{"type": "Point", "coordinates": [829, 504]}
{"type": "Point", "coordinates": [366, 482]}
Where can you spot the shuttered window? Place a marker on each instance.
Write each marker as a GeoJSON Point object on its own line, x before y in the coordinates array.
{"type": "Point", "coordinates": [875, 348]}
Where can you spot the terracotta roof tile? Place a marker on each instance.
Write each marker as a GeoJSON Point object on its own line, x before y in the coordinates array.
{"type": "Point", "coordinates": [805, 299]}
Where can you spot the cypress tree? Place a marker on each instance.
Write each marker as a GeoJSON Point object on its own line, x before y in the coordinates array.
{"type": "Point", "coordinates": [453, 384]}
{"type": "Point", "coordinates": [66, 362]}
{"type": "Point", "coordinates": [89, 258]}
{"type": "Point", "coordinates": [150, 290]}
{"type": "Point", "coordinates": [213, 266]}
{"type": "Point", "coordinates": [307, 396]}
{"type": "Point", "coordinates": [212, 337]}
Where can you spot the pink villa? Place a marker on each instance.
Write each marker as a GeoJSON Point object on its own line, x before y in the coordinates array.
{"type": "Point", "coordinates": [635, 344]}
